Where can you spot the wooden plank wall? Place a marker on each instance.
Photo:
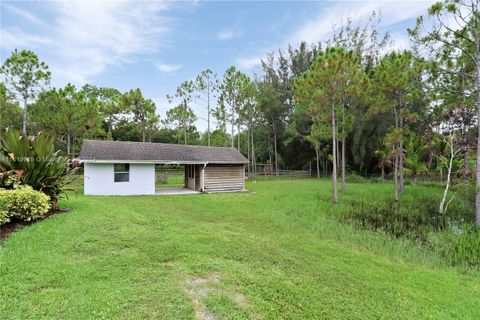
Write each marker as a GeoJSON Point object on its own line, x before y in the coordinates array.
{"type": "Point", "coordinates": [197, 177]}
{"type": "Point", "coordinates": [185, 177]}
{"type": "Point", "coordinates": [223, 178]}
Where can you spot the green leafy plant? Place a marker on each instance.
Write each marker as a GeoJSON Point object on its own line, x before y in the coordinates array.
{"type": "Point", "coordinates": [4, 216]}
{"type": "Point", "coordinates": [459, 246]}
{"type": "Point", "coordinates": [452, 235]}
{"type": "Point", "coordinates": [23, 203]}
{"type": "Point", "coordinates": [35, 163]}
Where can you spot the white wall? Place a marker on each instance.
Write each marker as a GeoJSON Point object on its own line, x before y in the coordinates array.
{"type": "Point", "coordinates": [98, 180]}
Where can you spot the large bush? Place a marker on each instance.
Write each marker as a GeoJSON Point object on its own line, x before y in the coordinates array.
{"type": "Point", "coordinates": [33, 161]}
{"type": "Point", "coordinates": [23, 203]}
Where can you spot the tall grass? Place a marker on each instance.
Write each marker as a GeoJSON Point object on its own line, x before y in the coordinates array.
{"type": "Point", "coordinates": [367, 217]}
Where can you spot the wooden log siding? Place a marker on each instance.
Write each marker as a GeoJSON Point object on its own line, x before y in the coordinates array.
{"type": "Point", "coordinates": [223, 178]}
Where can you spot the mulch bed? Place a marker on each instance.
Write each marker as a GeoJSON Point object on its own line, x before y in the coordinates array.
{"type": "Point", "coordinates": [11, 226]}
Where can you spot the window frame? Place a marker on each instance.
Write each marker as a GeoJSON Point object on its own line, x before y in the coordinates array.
{"type": "Point", "coordinates": [124, 172]}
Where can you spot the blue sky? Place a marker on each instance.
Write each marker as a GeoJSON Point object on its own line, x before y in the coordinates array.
{"type": "Point", "coordinates": [155, 45]}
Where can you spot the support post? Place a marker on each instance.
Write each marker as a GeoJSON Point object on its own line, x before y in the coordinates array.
{"type": "Point", "coordinates": [202, 178]}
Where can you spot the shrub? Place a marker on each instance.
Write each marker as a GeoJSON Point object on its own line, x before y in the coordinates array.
{"type": "Point", "coordinates": [23, 203]}
{"type": "Point", "coordinates": [398, 220]}
{"type": "Point", "coordinates": [35, 163]}
{"type": "Point", "coordinates": [352, 177]}
{"type": "Point", "coordinates": [465, 202]}
{"type": "Point", "coordinates": [4, 217]}
{"type": "Point", "coordinates": [452, 235]}
{"type": "Point", "coordinates": [460, 246]}
{"type": "Point", "coordinates": [465, 247]}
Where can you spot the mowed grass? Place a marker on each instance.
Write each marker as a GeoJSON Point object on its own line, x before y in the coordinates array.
{"type": "Point", "coordinates": [276, 252]}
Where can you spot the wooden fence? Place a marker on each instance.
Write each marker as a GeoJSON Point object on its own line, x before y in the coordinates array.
{"type": "Point", "coordinates": [281, 174]}
{"type": "Point", "coordinates": [169, 177]}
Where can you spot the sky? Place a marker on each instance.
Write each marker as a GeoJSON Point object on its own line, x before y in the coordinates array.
{"type": "Point", "coordinates": [156, 45]}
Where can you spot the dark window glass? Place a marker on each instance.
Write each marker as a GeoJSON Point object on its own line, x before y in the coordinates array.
{"type": "Point", "coordinates": [121, 172]}
{"type": "Point", "coordinates": [121, 177]}
{"type": "Point", "coordinates": [121, 167]}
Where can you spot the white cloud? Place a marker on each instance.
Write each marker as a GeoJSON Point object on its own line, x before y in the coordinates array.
{"type": "Point", "coordinates": [168, 67]}
{"type": "Point", "coordinates": [23, 14]}
{"type": "Point", "coordinates": [16, 38]}
{"type": "Point", "coordinates": [328, 18]}
{"type": "Point", "coordinates": [249, 63]}
{"type": "Point", "coordinates": [87, 37]}
{"type": "Point", "coordinates": [225, 34]}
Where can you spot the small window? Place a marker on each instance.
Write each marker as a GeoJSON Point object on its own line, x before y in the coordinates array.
{"type": "Point", "coordinates": [121, 172]}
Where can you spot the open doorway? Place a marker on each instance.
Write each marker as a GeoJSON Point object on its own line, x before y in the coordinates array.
{"type": "Point", "coordinates": [175, 179]}
{"type": "Point", "coordinates": [169, 176]}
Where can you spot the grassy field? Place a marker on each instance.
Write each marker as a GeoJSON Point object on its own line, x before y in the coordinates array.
{"type": "Point", "coordinates": [277, 252]}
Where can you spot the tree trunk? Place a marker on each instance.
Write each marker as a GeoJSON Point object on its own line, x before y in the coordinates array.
{"type": "Point", "coordinates": [400, 165]}
{"type": "Point", "coordinates": [233, 127]}
{"type": "Point", "coordinates": [143, 131]}
{"type": "Point", "coordinates": [270, 150]}
{"type": "Point", "coordinates": [254, 162]}
{"type": "Point", "coordinates": [110, 127]}
{"type": "Point", "coordinates": [395, 179]}
{"type": "Point", "coordinates": [74, 139]}
{"type": "Point", "coordinates": [248, 151]}
{"type": "Point", "coordinates": [334, 155]}
{"type": "Point", "coordinates": [224, 131]}
{"type": "Point", "coordinates": [464, 131]}
{"type": "Point", "coordinates": [318, 161]}
{"type": "Point", "coordinates": [25, 115]}
{"type": "Point", "coordinates": [466, 170]}
{"type": "Point", "coordinates": [400, 162]}
{"type": "Point", "coordinates": [344, 190]}
{"type": "Point", "coordinates": [238, 136]}
{"type": "Point", "coordinates": [443, 206]}
{"type": "Point", "coordinates": [275, 149]}
{"type": "Point", "coordinates": [338, 152]}
{"type": "Point", "coordinates": [68, 145]}
{"type": "Point", "coordinates": [208, 111]}
{"type": "Point", "coordinates": [185, 135]}
{"type": "Point", "coordinates": [477, 169]}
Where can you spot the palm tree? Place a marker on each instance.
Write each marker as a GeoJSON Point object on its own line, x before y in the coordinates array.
{"type": "Point", "coordinates": [415, 154]}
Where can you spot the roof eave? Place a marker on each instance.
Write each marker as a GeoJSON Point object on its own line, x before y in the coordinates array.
{"type": "Point", "coordinates": [159, 161]}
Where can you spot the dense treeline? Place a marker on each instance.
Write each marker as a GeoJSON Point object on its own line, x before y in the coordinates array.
{"type": "Point", "coordinates": [348, 104]}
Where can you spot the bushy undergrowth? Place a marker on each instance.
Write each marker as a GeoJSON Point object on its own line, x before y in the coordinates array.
{"type": "Point", "coordinates": [23, 204]}
{"type": "Point", "coordinates": [453, 234]}
{"type": "Point", "coordinates": [353, 177]}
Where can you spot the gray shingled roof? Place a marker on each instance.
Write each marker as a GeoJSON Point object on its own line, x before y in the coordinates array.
{"type": "Point", "coordinates": [103, 151]}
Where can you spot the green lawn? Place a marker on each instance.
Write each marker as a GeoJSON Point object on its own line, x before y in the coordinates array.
{"type": "Point", "coordinates": [274, 253]}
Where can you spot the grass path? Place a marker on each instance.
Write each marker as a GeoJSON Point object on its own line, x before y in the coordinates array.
{"type": "Point", "coordinates": [273, 253]}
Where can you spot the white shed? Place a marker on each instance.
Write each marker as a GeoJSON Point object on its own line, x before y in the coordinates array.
{"type": "Point", "coordinates": [128, 168]}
